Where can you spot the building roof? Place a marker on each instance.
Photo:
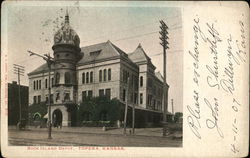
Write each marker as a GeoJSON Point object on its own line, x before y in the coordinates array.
{"type": "Point", "coordinates": [97, 52]}
{"type": "Point", "coordinates": [100, 51]}
{"type": "Point", "coordinates": [159, 76]}
{"type": "Point", "coordinates": [139, 55]}
{"type": "Point", "coordinates": [41, 69]}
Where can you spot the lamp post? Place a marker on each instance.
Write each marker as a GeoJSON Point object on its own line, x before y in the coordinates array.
{"type": "Point", "coordinates": [49, 61]}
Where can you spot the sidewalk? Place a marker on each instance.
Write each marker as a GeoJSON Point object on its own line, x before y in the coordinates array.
{"type": "Point", "coordinates": [152, 132]}
{"type": "Point", "coordinates": [91, 136]}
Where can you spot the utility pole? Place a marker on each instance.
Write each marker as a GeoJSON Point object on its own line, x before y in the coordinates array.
{"type": "Point", "coordinates": [172, 103]}
{"type": "Point", "coordinates": [19, 70]}
{"type": "Point", "coordinates": [133, 110]}
{"type": "Point", "coordinates": [126, 109]}
{"type": "Point", "coordinates": [164, 43]}
{"type": "Point", "coordinates": [49, 61]}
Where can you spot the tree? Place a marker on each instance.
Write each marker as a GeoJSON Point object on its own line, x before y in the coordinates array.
{"type": "Point", "coordinates": [91, 109]}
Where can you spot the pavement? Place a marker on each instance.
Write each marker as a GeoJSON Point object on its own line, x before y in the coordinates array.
{"type": "Point", "coordinates": [94, 136]}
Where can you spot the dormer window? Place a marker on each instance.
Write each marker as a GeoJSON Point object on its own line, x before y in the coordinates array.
{"type": "Point", "coordinates": [95, 53]}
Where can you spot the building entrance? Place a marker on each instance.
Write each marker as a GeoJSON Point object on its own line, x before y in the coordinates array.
{"type": "Point", "coordinates": [57, 118]}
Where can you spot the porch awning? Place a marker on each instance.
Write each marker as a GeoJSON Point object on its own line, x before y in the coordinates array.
{"type": "Point", "coordinates": [45, 116]}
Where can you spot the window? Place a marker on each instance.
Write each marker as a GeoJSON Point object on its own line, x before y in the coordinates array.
{"type": "Point", "coordinates": [124, 76]}
{"type": "Point", "coordinates": [124, 95]}
{"type": "Point", "coordinates": [57, 96]}
{"type": "Point", "coordinates": [154, 105]}
{"type": "Point", "coordinates": [87, 77]}
{"type": "Point", "coordinates": [52, 83]}
{"type": "Point", "coordinates": [141, 81]}
{"type": "Point", "coordinates": [100, 75]}
{"type": "Point", "coordinates": [37, 84]}
{"type": "Point", "coordinates": [67, 78]}
{"type": "Point", "coordinates": [40, 84]}
{"type": "Point", "coordinates": [135, 98]}
{"type": "Point", "coordinates": [34, 85]}
{"type": "Point", "coordinates": [91, 77]}
{"type": "Point", "coordinates": [131, 97]}
{"type": "Point", "coordinates": [39, 99]}
{"type": "Point", "coordinates": [108, 93]}
{"type": "Point", "coordinates": [90, 93]}
{"type": "Point", "coordinates": [149, 100]}
{"type": "Point", "coordinates": [67, 55]}
{"type": "Point", "coordinates": [109, 74]}
{"type": "Point", "coordinates": [104, 75]}
{"type": "Point", "coordinates": [51, 98]}
{"type": "Point", "coordinates": [47, 99]}
{"type": "Point", "coordinates": [83, 77]}
{"type": "Point", "coordinates": [101, 92]}
{"type": "Point", "coordinates": [46, 83]}
{"type": "Point", "coordinates": [34, 100]}
{"type": "Point", "coordinates": [84, 95]}
{"type": "Point", "coordinates": [57, 78]}
{"type": "Point", "coordinates": [141, 98]}
{"type": "Point", "coordinates": [66, 96]}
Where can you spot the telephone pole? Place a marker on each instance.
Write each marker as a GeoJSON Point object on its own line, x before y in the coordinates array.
{"type": "Point", "coordinates": [49, 61]}
{"type": "Point", "coordinates": [126, 109]}
{"type": "Point", "coordinates": [133, 110]}
{"type": "Point", "coordinates": [164, 43]}
{"type": "Point", "coordinates": [19, 70]}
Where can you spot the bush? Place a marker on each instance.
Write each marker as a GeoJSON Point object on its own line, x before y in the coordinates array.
{"type": "Point", "coordinates": [99, 111]}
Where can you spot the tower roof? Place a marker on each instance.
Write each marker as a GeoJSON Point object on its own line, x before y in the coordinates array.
{"type": "Point", "coordinates": [139, 56]}
{"type": "Point", "coordinates": [66, 35]}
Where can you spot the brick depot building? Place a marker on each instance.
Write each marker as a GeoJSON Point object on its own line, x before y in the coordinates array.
{"type": "Point", "coordinates": [101, 69]}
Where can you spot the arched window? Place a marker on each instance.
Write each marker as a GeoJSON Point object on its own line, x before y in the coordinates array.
{"type": "Point", "coordinates": [83, 78]}
{"type": "Point", "coordinates": [67, 77]}
{"type": "Point", "coordinates": [57, 78]}
{"type": "Point", "coordinates": [100, 75]}
{"type": "Point", "coordinates": [91, 77]}
{"type": "Point", "coordinates": [87, 77]}
{"type": "Point", "coordinates": [104, 74]}
{"type": "Point", "coordinates": [109, 74]}
{"type": "Point", "coordinates": [141, 81]}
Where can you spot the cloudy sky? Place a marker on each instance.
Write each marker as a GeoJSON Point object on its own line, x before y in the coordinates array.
{"type": "Point", "coordinates": [31, 27]}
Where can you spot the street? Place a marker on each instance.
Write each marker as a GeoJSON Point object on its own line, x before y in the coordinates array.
{"type": "Point", "coordinates": [92, 136]}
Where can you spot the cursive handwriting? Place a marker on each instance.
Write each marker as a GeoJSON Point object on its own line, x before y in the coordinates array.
{"type": "Point", "coordinates": [193, 119]}
{"type": "Point", "coordinates": [195, 54]}
{"type": "Point", "coordinates": [212, 79]}
{"type": "Point", "coordinates": [213, 122]}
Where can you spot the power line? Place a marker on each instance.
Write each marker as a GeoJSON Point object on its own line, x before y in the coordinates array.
{"type": "Point", "coordinates": [135, 27]}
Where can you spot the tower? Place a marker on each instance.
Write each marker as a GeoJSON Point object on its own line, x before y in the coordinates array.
{"type": "Point", "coordinates": [66, 54]}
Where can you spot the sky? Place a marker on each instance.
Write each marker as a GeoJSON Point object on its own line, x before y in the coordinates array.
{"type": "Point", "coordinates": [33, 27]}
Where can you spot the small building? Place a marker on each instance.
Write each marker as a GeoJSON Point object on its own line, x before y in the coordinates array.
{"type": "Point", "coordinates": [13, 102]}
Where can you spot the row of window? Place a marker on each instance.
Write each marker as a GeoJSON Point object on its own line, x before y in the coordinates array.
{"type": "Point", "coordinates": [103, 75]}
{"type": "Point", "coordinates": [87, 77]}
{"type": "Point", "coordinates": [102, 92]}
{"type": "Point", "coordinates": [67, 78]}
{"type": "Point", "coordinates": [37, 84]}
{"type": "Point", "coordinates": [133, 96]}
{"type": "Point", "coordinates": [37, 99]}
{"type": "Point", "coordinates": [153, 103]}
